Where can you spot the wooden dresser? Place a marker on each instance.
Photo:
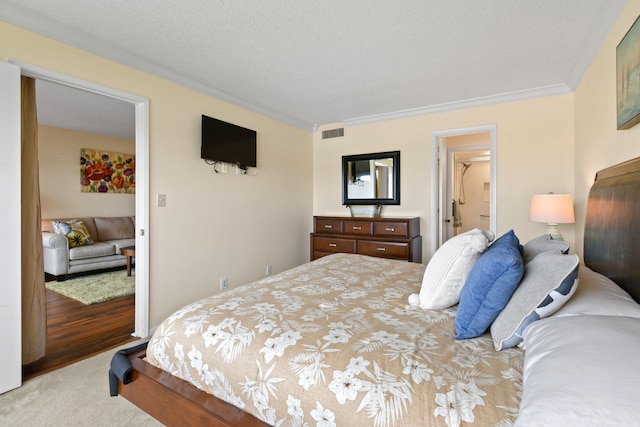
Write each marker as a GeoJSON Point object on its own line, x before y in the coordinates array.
{"type": "Point", "coordinates": [397, 238]}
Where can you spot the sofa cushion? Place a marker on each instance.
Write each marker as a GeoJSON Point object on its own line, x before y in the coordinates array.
{"type": "Point", "coordinates": [122, 243]}
{"type": "Point", "coordinates": [113, 228]}
{"type": "Point", "coordinates": [96, 250]}
{"type": "Point", "coordinates": [91, 226]}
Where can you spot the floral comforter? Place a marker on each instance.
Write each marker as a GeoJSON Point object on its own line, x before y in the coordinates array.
{"type": "Point", "coordinates": [334, 343]}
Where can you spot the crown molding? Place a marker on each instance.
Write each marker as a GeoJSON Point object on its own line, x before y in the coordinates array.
{"type": "Point", "coordinates": [38, 23]}
{"type": "Point", "coordinates": [559, 89]}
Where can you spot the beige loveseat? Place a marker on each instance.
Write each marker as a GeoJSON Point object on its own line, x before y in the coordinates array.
{"type": "Point", "coordinates": [99, 250]}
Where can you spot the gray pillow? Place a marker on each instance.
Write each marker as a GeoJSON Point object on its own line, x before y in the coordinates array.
{"type": "Point", "coordinates": [549, 281]}
{"type": "Point", "coordinates": [542, 244]}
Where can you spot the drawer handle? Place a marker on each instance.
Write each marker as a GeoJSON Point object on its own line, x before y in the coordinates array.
{"type": "Point", "coordinates": [381, 249]}
{"type": "Point", "coordinates": [333, 245]}
{"type": "Point", "coordinates": [328, 226]}
{"type": "Point", "coordinates": [390, 229]}
{"type": "Point", "coordinates": [357, 228]}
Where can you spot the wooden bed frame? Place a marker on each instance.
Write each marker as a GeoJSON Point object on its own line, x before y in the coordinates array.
{"type": "Point", "coordinates": [611, 231]}
{"type": "Point", "coordinates": [175, 402]}
{"type": "Point", "coordinates": [611, 239]}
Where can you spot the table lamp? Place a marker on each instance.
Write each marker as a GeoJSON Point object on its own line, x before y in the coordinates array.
{"type": "Point", "coordinates": [553, 209]}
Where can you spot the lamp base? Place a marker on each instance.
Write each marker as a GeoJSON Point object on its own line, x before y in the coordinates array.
{"type": "Point", "coordinates": [553, 230]}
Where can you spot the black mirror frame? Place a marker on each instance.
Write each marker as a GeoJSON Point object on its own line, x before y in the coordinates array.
{"type": "Point", "coordinates": [395, 155]}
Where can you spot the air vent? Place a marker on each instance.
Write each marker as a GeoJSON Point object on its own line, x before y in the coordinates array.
{"type": "Point", "coordinates": [332, 133]}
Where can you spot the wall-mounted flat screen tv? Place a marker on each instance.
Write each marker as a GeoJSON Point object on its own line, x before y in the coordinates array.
{"type": "Point", "coordinates": [228, 143]}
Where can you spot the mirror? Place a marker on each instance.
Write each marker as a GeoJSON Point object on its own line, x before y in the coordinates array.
{"type": "Point", "coordinates": [371, 179]}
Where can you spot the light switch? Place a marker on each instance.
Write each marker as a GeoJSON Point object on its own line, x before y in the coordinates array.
{"type": "Point", "coordinates": [161, 201]}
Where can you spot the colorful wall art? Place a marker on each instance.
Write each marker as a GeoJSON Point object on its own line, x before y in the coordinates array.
{"type": "Point", "coordinates": [107, 172]}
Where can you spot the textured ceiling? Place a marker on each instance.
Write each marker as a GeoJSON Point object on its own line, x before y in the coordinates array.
{"type": "Point", "coordinates": [69, 108]}
{"type": "Point", "coordinates": [310, 63]}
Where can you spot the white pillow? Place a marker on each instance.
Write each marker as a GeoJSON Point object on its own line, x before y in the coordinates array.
{"type": "Point", "coordinates": [448, 269]}
{"type": "Point", "coordinates": [597, 294]}
{"type": "Point", "coordinates": [581, 371]}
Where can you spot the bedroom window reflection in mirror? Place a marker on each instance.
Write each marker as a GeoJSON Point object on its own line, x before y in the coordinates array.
{"type": "Point", "coordinates": [371, 179]}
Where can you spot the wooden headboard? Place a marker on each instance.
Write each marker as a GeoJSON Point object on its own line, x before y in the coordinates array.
{"type": "Point", "coordinates": [612, 225]}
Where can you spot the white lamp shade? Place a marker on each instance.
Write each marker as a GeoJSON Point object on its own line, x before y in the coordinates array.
{"type": "Point", "coordinates": [551, 208]}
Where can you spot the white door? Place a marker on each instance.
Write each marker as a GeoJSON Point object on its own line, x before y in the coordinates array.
{"type": "Point", "coordinates": [10, 258]}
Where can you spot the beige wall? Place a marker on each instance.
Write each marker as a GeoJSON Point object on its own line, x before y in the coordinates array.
{"type": "Point", "coordinates": [598, 143]}
{"type": "Point", "coordinates": [59, 158]}
{"type": "Point", "coordinates": [217, 225]}
{"type": "Point", "coordinates": [534, 153]}
{"type": "Point", "coordinates": [214, 225]}
{"type": "Point", "coordinates": [472, 139]}
{"type": "Point", "coordinates": [549, 144]}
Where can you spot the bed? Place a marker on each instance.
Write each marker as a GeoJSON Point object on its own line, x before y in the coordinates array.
{"type": "Point", "coordinates": [339, 340]}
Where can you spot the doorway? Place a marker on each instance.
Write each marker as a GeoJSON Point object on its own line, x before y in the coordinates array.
{"type": "Point", "coordinates": [468, 189]}
{"type": "Point", "coordinates": [10, 79]}
{"type": "Point", "coordinates": [463, 182]}
{"type": "Point", "coordinates": [70, 120]}
{"type": "Point", "coordinates": [142, 179]}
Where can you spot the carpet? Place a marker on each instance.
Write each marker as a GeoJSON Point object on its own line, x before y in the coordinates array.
{"type": "Point", "coordinates": [96, 288]}
{"type": "Point", "coordinates": [76, 395]}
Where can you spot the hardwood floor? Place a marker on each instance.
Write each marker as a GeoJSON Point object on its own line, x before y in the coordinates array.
{"type": "Point", "coordinates": [77, 331]}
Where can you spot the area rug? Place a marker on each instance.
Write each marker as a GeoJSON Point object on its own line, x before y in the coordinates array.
{"type": "Point", "coordinates": [95, 288]}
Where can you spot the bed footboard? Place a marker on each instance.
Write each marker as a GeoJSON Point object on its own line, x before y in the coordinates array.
{"type": "Point", "coordinates": [175, 402]}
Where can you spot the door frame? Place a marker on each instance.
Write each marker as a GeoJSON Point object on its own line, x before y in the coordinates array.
{"type": "Point", "coordinates": [141, 105]}
{"type": "Point", "coordinates": [10, 212]}
{"type": "Point", "coordinates": [440, 172]}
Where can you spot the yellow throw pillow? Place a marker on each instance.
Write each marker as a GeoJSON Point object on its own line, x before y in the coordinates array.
{"type": "Point", "coordinates": [75, 231]}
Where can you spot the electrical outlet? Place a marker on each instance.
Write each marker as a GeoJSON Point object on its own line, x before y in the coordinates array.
{"type": "Point", "coordinates": [224, 283]}
{"type": "Point", "coordinates": [269, 270]}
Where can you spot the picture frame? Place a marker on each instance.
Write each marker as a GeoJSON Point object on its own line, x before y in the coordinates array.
{"type": "Point", "coordinates": [628, 78]}
{"type": "Point", "coordinates": [107, 172]}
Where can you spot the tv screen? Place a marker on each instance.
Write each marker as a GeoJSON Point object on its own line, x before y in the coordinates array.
{"type": "Point", "coordinates": [227, 143]}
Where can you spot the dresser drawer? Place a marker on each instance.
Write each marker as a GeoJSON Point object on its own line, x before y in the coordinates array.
{"type": "Point", "coordinates": [328, 226]}
{"type": "Point", "coordinates": [395, 238]}
{"type": "Point", "coordinates": [383, 249]}
{"type": "Point", "coordinates": [358, 228]}
{"type": "Point", "coordinates": [328, 244]}
{"type": "Point", "coordinates": [390, 229]}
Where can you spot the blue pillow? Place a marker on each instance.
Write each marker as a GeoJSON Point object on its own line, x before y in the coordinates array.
{"type": "Point", "coordinates": [490, 284]}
